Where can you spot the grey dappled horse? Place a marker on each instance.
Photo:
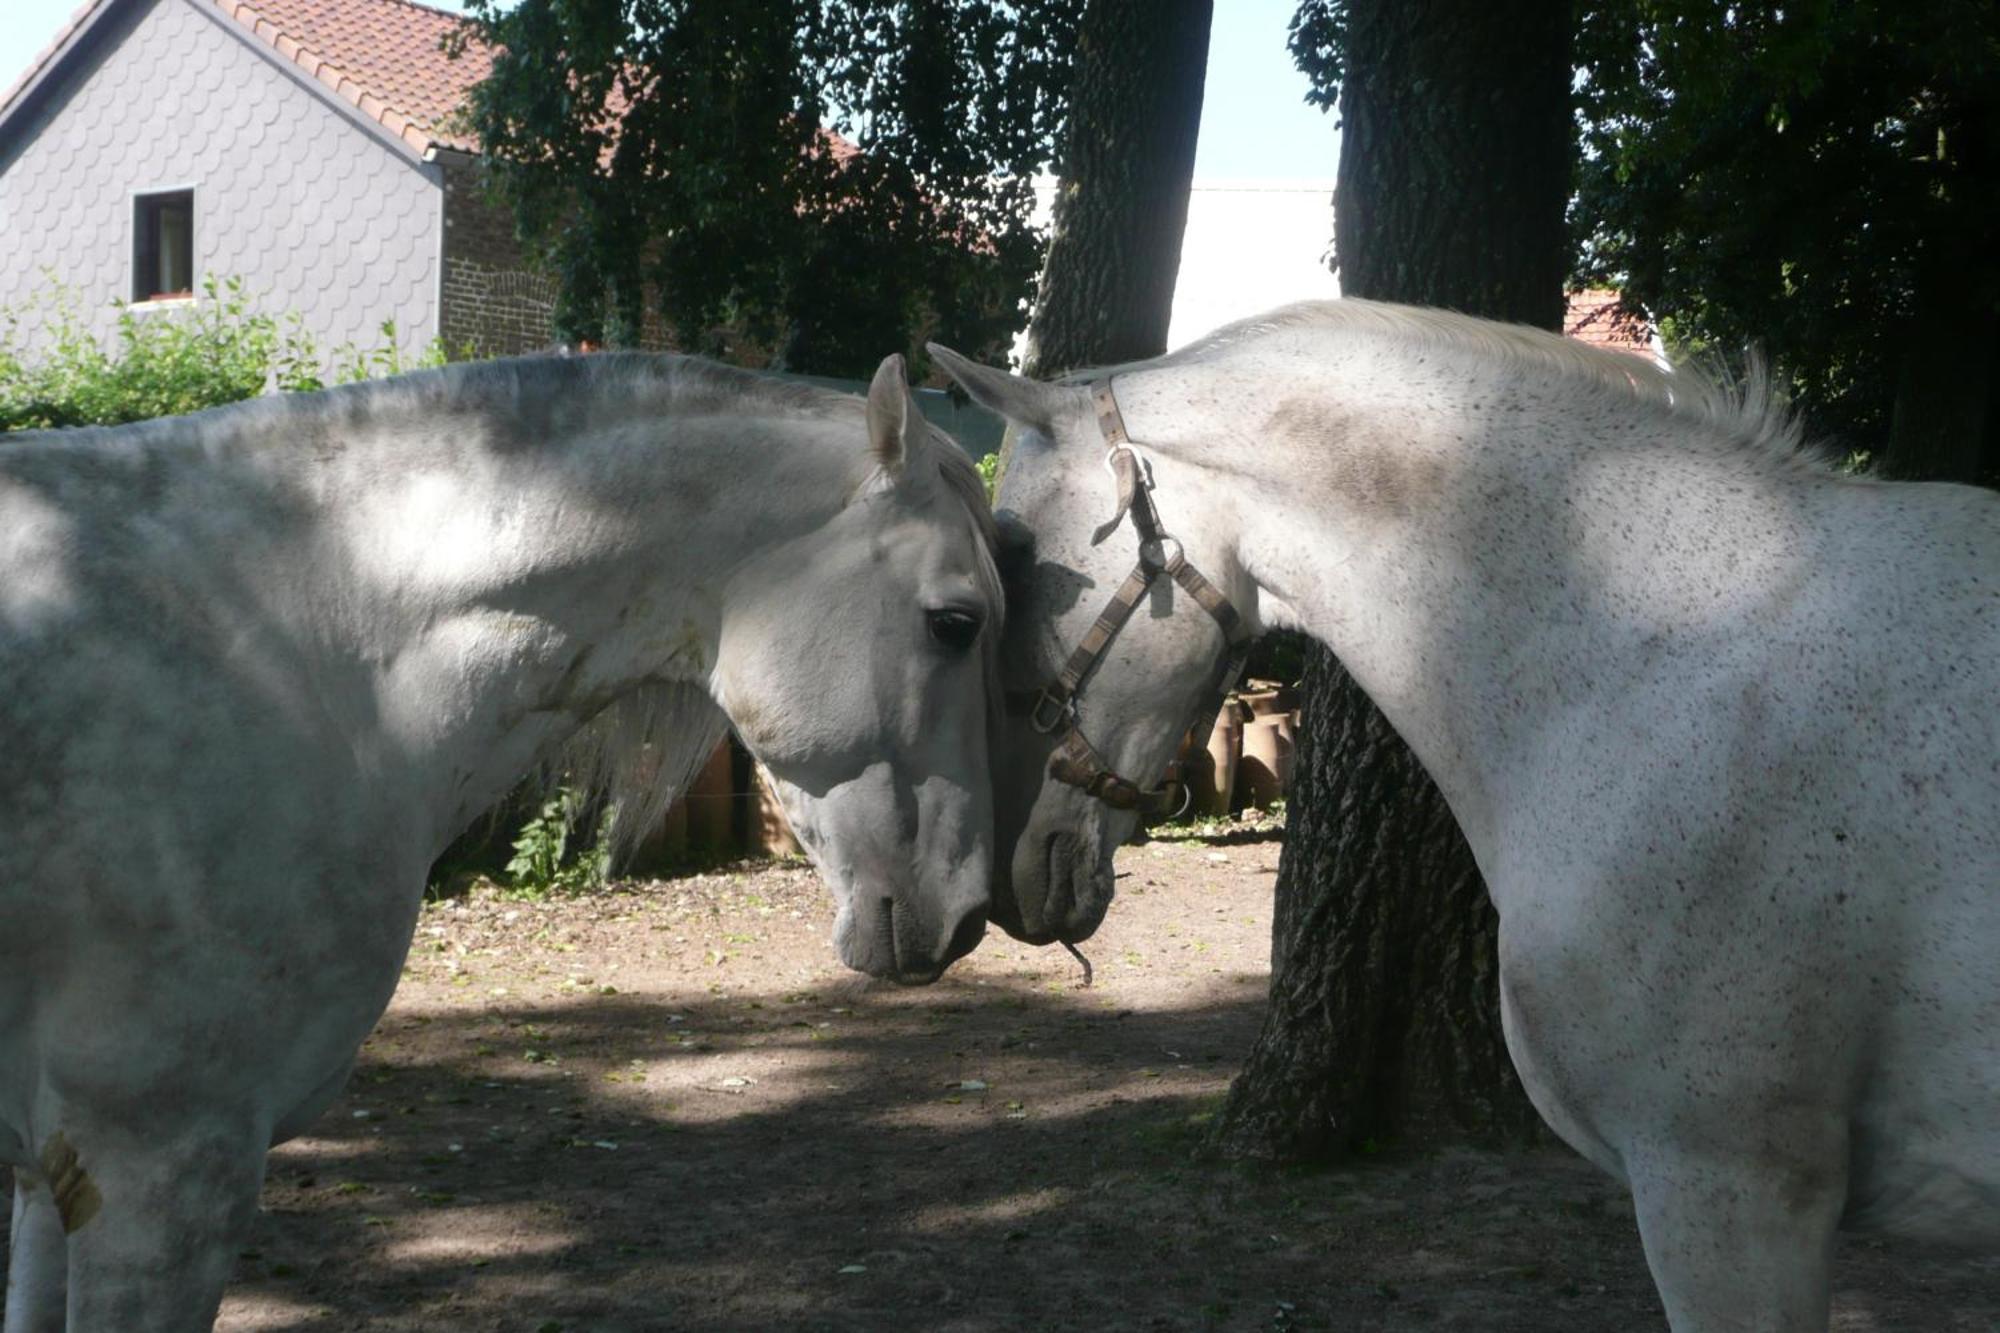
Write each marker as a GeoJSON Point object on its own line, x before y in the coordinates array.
{"type": "Point", "coordinates": [1721, 726]}
{"type": "Point", "coordinates": [259, 665]}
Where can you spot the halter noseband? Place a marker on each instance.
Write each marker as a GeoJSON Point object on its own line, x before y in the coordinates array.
{"type": "Point", "coordinates": [1053, 711]}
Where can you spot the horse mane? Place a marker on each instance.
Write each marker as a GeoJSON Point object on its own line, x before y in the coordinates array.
{"type": "Point", "coordinates": [638, 753]}
{"type": "Point", "coordinates": [1750, 411]}
{"type": "Point", "coordinates": [520, 388]}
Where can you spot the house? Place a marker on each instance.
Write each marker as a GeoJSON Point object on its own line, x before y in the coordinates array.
{"type": "Point", "coordinates": [307, 146]}
{"type": "Point", "coordinates": [1595, 317]}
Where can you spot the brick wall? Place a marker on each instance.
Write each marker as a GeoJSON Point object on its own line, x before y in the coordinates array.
{"type": "Point", "coordinates": [494, 302]}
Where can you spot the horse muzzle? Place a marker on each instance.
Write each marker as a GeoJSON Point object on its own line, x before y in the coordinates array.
{"type": "Point", "coordinates": [905, 944]}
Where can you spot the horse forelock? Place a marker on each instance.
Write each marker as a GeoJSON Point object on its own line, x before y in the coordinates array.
{"type": "Point", "coordinates": [1748, 412]}
{"type": "Point", "coordinates": [961, 479]}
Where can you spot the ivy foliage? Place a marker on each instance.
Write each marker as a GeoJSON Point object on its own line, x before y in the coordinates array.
{"type": "Point", "coordinates": [546, 855]}
{"type": "Point", "coordinates": [829, 178]}
{"type": "Point", "coordinates": [219, 348]}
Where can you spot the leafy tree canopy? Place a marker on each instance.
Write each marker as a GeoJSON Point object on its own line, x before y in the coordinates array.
{"type": "Point", "coordinates": [825, 177]}
{"type": "Point", "coordinates": [1815, 176]}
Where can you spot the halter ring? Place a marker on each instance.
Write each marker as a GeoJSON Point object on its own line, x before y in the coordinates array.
{"type": "Point", "coordinates": [1160, 545]}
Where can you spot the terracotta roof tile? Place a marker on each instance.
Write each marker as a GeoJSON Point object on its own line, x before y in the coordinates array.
{"type": "Point", "coordinates": [384, 57]}
{"type": "Point", "coordinates": [1594, 317]}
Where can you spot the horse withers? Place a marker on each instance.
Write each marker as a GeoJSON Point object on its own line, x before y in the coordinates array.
{"type": "Point", "coordinates": [1721, 726]}
{"type": "Point", "coordinates": [259, 665]}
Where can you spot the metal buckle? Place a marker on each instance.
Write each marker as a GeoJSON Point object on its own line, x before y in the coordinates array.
{"type": "Point", "coordinates": [1063, 708]}
{"type": "Point", "coordinates": [1143, 465]}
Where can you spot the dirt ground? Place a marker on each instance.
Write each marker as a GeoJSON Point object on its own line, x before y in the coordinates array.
{"type": "Point", "coordinates": [666, 1106]}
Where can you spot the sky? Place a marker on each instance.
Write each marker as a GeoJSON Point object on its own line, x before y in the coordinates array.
{"type": "Point", "coordinates": [1254, 120]}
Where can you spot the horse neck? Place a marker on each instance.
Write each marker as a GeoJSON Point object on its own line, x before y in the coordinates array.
{"type": "Point", "coordinates": [475, 596]}
{"type": "Point", "coordinates": [1483, 548]}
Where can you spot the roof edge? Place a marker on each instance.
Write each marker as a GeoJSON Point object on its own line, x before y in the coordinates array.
{"type": "Point", "coordinates": [319, 77]}
{"type": "Point", "coordinates": [315, 73]}
{"type": "Point", "coordinates": [46, 68]}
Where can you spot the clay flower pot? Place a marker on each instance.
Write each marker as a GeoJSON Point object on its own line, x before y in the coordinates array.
{"type": "Point", "coordinates": [1267, 760]}
{"type": "Point", "coordinates": [1267, 743]}
{"type": "Point", "coordinates": [1224, 744]}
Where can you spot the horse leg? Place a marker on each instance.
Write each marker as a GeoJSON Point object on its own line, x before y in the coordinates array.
{"type": "Point", "coordinates": [1738, 1242]}
{"type": "Point", "coordinates": [36, 1260]}
{"type": "Point", "coordinates": [155, 1253]}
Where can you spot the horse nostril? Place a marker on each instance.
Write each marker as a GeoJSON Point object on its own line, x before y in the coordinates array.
{"type": "Point", "coordinates": [971, 930]}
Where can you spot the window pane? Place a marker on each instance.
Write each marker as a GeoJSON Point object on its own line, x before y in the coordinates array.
{"type": "Point", "coordinates": [176, 248]}
{"type": "Point", "coordinates": [163, 245]}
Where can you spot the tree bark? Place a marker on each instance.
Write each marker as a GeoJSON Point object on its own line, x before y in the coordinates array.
{"type": "Point", "coordinates": [1107, 288]}
{"type": "Point", "coordinates": [1944, 424]}
{"type": "Point", "coordinates": [1384, 1023]}
{"type": "Point", "coordinates": [1946, 419]}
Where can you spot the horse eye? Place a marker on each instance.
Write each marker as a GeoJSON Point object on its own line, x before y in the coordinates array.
{"type": "Point", "coordinates": [956, 630]}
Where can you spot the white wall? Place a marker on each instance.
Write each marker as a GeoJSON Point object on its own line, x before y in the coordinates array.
{"type": "Point", "coordinates": [1250, 246]}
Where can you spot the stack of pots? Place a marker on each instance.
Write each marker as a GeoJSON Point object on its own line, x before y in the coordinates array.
{"type": "Point", "coordinates": [1245, 762]}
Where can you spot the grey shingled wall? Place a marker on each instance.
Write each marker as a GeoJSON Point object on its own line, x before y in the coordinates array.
{"type": "Point", "coordinates": [314, 212]}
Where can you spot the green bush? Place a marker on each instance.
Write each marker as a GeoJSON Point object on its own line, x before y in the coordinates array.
{"type": "Point", "coordinates": [219, 349]}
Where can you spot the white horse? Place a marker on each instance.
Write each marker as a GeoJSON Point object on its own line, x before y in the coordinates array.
{"type": "Point", "coordinates": [1722, 727]}
{"type": "Point", "coordinates": [259, 665]}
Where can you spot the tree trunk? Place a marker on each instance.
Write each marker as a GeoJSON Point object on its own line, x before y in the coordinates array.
{"type": "Point", "coordinates": [1944, 422]}
{"type": "Point", "coordinates": [1107, 288]}
{"type": "Point", "coordinates": [1384, 1022]}
{"type": "Point", "coordinates": [1946, 418]}
{"type": "Point", "coordinates": [1455, 156]}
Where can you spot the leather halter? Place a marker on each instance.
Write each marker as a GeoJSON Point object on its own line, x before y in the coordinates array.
{"type": "Point", "coordinates": [1076, 761]}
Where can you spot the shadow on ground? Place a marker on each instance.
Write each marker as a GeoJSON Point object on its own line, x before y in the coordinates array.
{"type": "Point", "coordinates": [591, 1117]}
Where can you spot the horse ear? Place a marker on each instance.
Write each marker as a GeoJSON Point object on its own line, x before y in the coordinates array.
{"type": "Point", "coordinates": [1025, 401]}
{"type": "Point", "coordinates": [889, 416]}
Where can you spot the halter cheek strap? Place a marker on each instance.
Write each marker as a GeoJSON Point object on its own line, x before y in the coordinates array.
{"type": "Point", "coordinates": [1054, 710]}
